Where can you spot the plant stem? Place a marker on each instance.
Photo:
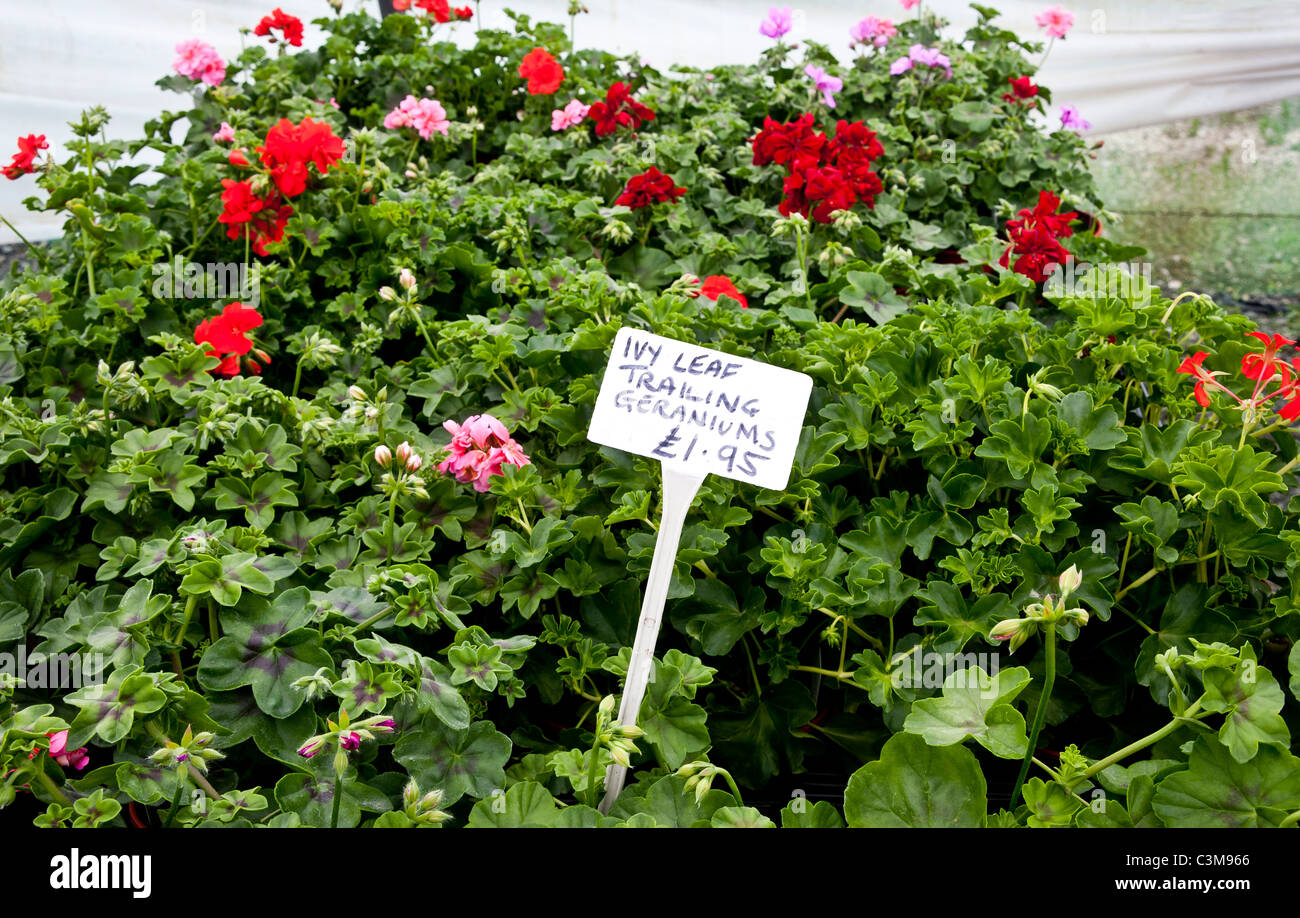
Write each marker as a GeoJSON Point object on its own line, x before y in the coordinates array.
{"type": "Point", "coordinates": [297, 378]}
{"type": "Point", "coordinates": [1137, 583]}
{"type": "Point", "coordinates": [593, 770]}
{"type": "Point", "coordinates": [371, 620]}
{"type": "Point", "coordinates": [731, 782]}
{"type": "Point", "coordinates": [1148, 740]}
{"type": "Point", "coordinates": [1040, 714]}
{"type": "Point", "coordinates": [48, 783]}
{"type": "Point", "coordinates": [185, 621]}
{"type": "Point", "coordinates": [176, 802]}
{"type": "Point", "coordinates": [338, 798]}
{"type": "Point", "coordinates": [40, 256]}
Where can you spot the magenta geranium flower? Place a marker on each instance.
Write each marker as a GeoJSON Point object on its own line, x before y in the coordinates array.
{"type": "Point", "coordinates": [1071, 120]}
{"type": "Point", "coordinates": [780, 19]}
{"type": "Point", "coordinates": [919, 54]}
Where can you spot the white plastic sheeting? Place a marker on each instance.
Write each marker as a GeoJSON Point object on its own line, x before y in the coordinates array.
{"type": "Point", "coordinates": [1127, 63]}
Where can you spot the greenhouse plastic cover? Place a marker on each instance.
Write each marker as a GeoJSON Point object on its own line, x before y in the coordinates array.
{"type": "Point", "coordinates": [1124, 64]}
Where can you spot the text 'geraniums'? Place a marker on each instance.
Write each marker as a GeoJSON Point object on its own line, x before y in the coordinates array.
{"type": "Point", "coordinates": [478, 450]}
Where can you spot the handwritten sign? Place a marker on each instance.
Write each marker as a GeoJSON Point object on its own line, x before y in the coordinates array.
{"type": "Point", "coordinates": [700, 411]}
{"type": "Point", "coordinates": [697, 411]}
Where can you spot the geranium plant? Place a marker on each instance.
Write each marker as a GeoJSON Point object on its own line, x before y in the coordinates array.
{"type": "Point", "coordinates": [295, 458]}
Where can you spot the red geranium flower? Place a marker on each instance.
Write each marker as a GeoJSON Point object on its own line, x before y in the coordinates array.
{"type": "Point", "coordinates": [463, 13]}
{"type": "Point", "coordinates": [440, 10]}
{"type": "Point", "coordinates": [290, 27]}
{"type": "Point", "coordinates": [1022, 88]}
{"type": "Point", "coordinates": [1038, 251]}
{"type": "Point", "coordinates": [239, 202]}
{"type": "Point", "coordinates": [289, 148]}
{"type": "Point", "coordinates": [650, 187]}
{"type": "Point", "coordinates": [226, 336]}
{"type": "Point", "coordinates": [261, 219]}
{"type": "Point", "coordinates": [825, 174]}
{"type": "Point", "coordinates": [543, 72]}
{"type": "Point", "coordinates": [718, 285]}
{"type": "Point", "coordinates": [23, 161]}
{"type": "Point", "coordinates": [618, 110]}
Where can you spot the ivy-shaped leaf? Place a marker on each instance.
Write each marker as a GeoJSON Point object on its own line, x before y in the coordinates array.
{"type": "Point", "coordinates": [916, 785]}
{"type": "Point", "coordinates": [975, 705]}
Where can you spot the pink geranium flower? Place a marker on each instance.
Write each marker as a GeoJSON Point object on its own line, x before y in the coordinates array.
{"type": "Point", "coordinates": [427, 116]}
{"type": "Point", "coordinates": [479, 448]}
{"type": "Point", "coordinates": [872, 31]}
{"type": "Point", "coordinates": [198, 60]}
{"type": "Point", "coordinates": [225, 134]}
{"type": "Point", "coordinates": [1056, 21]}
{"type": "Point", "coordinates": [567, 117]}
{"type": "Point", "coordinates": [908, 4]}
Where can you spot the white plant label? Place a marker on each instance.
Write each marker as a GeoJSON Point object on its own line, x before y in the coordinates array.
{"type": "Point", "coordinates": [700, 411]}
{"type": "Point", "coordinates": [697, 411]}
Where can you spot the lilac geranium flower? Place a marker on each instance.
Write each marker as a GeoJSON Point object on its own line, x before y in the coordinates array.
{"type": "Point", "coordinates": [919, 54]}
{"type": "Point", "coordinates": [780, 19]}
{"type": "Point", "coordinates": [826, 84]}
{"type": "Point", "coordinates": [1071, 120]}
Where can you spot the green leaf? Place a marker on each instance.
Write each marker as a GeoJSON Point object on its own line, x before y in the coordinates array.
{"type": "Point", "coordinates": [975, 705]}
{"type": "Point", "coordinates": [739, 817]}
{"type": "Point", "coordinates": [872, 294]}
{"type": "Point", "coordinates": [916, 785]}
{"type": "Point", "coordinates": [457, 762]}
{"type": "Point", "coordinates": [1252, 700]}
{"type": "Point", "coordinates": [946, 609]}
{"type": "Point", "coordinates": [798, 814]}
{"type": "Point", "coordinates": [1050, 804]}
{"type": "Point", "coordinates": [1217, 791]}
{"type": "Point", "coordinates": [1099, 428]}
{"type": "Point", "coordinates": [525, 805]}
